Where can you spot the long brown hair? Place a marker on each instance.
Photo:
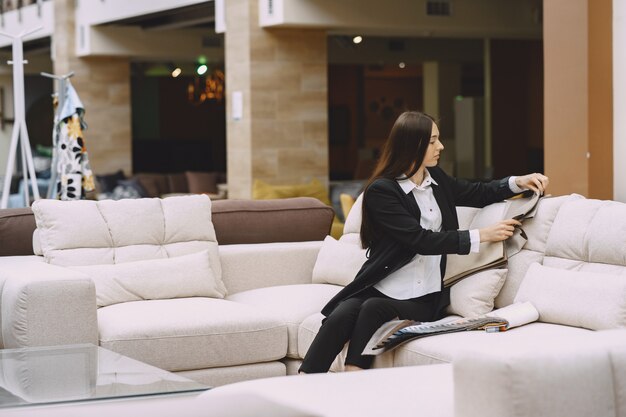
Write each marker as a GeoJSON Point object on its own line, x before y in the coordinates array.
{"type": "Point", "coordinates": [402, 155]}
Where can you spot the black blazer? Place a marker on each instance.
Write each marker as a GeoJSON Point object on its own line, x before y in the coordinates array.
{"type": "Point", "coordinates": [398, 235]}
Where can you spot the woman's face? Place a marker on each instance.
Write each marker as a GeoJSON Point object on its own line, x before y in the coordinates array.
{"type": "Point", "coordinates": [434, 149]}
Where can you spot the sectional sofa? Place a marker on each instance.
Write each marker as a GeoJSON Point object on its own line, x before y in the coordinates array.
{"type": "Point", "coordinates": [249, 306]}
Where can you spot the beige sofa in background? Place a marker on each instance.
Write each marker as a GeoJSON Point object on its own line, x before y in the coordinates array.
{"type": "Point", "coordinates": [269, 316]}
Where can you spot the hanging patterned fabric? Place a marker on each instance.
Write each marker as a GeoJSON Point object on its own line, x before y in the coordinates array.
{"type": "Point", "coordinates": [75, 177]}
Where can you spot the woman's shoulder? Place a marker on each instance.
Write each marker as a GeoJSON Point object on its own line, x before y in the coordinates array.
{"type": "Point", "coordinates": [383, 184]}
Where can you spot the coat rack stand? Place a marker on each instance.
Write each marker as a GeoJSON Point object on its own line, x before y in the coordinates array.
{"type": "Point", "coordinates": [19, 125]}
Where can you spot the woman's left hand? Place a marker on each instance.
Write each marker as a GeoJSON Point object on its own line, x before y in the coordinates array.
{"type": "Point", "coordinates": [536, 182]}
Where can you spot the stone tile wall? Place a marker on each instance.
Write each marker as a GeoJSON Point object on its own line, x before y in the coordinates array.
{"type": "Point", "coordinates": [282, 73]}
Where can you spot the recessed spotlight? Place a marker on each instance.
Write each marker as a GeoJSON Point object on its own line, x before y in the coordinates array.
{"type": "Point", "coordinates": [402, 65]}
{"type": "Point", "coordinates": [202, 69]}
{"type": "Point", "coordinates": [176, 72]}
{"type": "Point", "coordinates": [357, 39]}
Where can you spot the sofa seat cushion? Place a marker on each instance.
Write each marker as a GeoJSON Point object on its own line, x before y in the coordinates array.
{"type": "Point", "coordinates": [291, 304]}
{"type": "Point", "coordinates": [445, 348]}
{"type": "Point", "coordinates": [192, 333]}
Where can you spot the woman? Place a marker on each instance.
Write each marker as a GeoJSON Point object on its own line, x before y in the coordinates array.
{"type": "Point", "coordinates": [409, 224]}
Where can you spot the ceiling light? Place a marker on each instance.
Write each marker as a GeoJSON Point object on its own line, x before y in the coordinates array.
{"type": "Point", "coordinates": [202, 69]}
{"type": "Point", "coordinates": [402, 65]}
{"type": "Point", "coordinates": [176, 72]}
{"type": "Point", "coordinates": [357, 39]}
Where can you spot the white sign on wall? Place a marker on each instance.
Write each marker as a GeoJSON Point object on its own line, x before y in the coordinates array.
{"type": "Point", "coordinates": [237, 106]}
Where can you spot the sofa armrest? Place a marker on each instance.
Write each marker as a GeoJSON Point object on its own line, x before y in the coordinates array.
{"type": "Point", "coordinates": [249, 266]}
{"type": "Point", "coordinates": [45, 305]}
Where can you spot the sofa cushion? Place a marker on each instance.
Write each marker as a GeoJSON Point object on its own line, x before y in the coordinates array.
{"type": "Point", "coordinates": [538, 228]}
{"type": "Point", "coordinates": [155, 184]}
{"type": "Point", "coordinates": [202, 182]}
{"type": "Point", "coordinates": [258, 221]}
{"type": "Point", "coordinates": [517, 265]}
{"type": "Point", "coordinates": [177, 183]}
{"type": "Point", "coordinates": [246, 267]}
{"type": "Point", "coordinates": [291, 303]}
{"type": "Point", "coordinates": [192, 333]}
{"type": "Point", "coordinates": [338, 261]}
{"type": "Point", "coordinates": [582, 299]}
{"type": "Point", "coordinates": [474, 295]}
{"type": "Point", "coordinates": [16, 231]}
{"type": "Point", "coordinates": [445, 348]}
{"type": "Point", "coordinates": [78, 233]}
{"type": "Point", "coordinates": [353, 221]}
{"type": "Point", "coordinates": [176, 277]}
{"type": "Point", "coordinates": [587, 230]}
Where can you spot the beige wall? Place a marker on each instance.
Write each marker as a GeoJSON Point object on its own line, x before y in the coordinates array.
{"type": "Point", "coordinates": [103, 85]}
{"type": "Point", "coordinates": [566, 99]}
{"type": "Point", "coordinates": [282, 137]}
{"type": "Point", "coordinates": [600, 99]}
{"type": "Point", "coordinates": [619, 100]}
{"type": "Point", "coordinates": [578, 100]}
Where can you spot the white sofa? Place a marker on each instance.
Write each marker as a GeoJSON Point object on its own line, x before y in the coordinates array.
{"type": "Point", "coordinates": [270, 315]}
{"type": "Point", "coordinates": [574, 381]}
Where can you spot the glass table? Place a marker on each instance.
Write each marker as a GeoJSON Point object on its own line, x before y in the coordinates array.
{"type": "Point", "coordinates": [58, 374]}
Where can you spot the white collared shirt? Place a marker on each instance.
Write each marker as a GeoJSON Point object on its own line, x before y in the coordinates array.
{"type": "Point", "coordinates": [422, 275]}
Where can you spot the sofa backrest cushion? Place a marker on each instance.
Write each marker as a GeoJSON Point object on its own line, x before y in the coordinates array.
{"type": "Point", "coordinates": [201, 182]}
{"type": "Point", "coordinates": [592, 231]}
{"type": "Point", "coordinates": [16, 232]}
{"type": "Point", "coordinates": [298, 219]}
{"type": "Point", "coordinates": [580, 299]}
{"type": "Point", "coordinates": [155, 184]}
{"type": "Point", "coordinates": [177, 183]}
{"type": "Point", "coordinates": [538, 228]}
{"type": "Point", "coordinates": [353, 221]}
{"type": "Point", "coordinates": [74, 233]}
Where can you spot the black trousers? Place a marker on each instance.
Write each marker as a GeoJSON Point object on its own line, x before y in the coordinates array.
{"type": "Point", "coordinates": [356, 320]}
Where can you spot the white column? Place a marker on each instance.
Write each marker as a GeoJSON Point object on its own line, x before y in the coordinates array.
{"type": "Point", "coordinates": [619, 100]}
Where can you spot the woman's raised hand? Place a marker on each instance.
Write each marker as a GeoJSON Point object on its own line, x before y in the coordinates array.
{"type": "Point", "coordinates": [536, 182]}
{"type": "Point", "coordinates": [500, 231]}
